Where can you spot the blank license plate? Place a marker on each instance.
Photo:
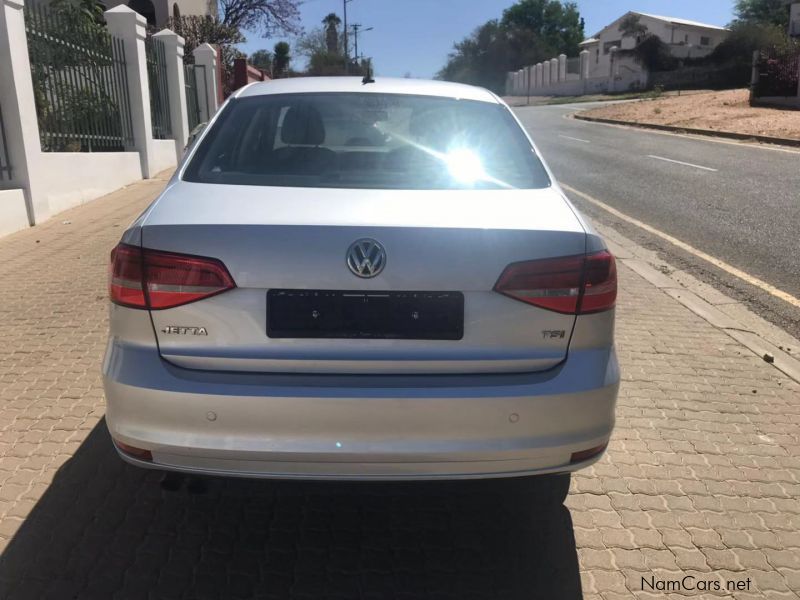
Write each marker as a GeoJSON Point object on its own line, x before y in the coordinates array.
{"type": "Point", "coordinates": [347, 314]}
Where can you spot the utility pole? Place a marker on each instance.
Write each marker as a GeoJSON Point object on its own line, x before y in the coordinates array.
{"type": "Point", "coordinates": [356, 28]}
{"type": "Point", "coordinates": [346, 47]}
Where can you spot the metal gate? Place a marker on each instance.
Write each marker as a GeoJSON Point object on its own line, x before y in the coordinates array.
{"type": "Point", "coordinates": [80, 81]}
{"type": "Point", "coordinates": [196, 100]}
{"type": "Point", "coordinates": [159, 91]}
{"type": "Point", "coordinates": [777, 73]}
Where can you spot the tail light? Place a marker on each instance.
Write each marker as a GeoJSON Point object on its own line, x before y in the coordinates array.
{"type": "Point", "coordinates": [570, 284]}
{"type": "Point", "coordinates": [151, 279]}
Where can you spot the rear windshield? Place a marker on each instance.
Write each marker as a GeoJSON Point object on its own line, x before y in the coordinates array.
{"type": "Point", "coordinates": [368, 140]}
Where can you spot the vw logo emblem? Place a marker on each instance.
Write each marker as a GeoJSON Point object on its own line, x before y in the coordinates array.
{"type": "Point", "coordinates": [366, 258]}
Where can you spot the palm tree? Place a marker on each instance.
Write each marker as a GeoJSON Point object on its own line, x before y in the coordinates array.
{"type": "Point", "coordinates": [280, 59]}
{"type": "Point", "coordinates": [332, 22]}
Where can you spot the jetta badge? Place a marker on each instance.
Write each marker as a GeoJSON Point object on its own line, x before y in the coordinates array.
{"type": "Point", "coordinates": [366, 258]}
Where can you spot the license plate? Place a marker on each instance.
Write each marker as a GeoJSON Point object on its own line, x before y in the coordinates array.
{"type": "Point", "coordinates": [348, 314]}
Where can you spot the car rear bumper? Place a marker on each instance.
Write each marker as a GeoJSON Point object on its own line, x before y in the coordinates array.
{"type": "Point", "coordinates": [359, 427]}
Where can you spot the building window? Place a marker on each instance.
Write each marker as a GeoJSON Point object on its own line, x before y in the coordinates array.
{"type": "Point", "coordinates": [176, 12]}
{"type": "Point", "coordinates": [705, 40]}
{"type": "Point", "coordinates": [686, 39]}
{"type": "Point", "coordinates": [597, 56]}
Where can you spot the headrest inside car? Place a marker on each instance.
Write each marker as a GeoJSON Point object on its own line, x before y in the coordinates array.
{"type": "Point", "coordinates": [303, 125]}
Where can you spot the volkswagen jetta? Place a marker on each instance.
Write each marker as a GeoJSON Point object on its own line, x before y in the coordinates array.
{"type": "Point", "coordinates": [362, 280]}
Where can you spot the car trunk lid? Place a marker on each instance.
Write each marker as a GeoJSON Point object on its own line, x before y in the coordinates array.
{"type": "Point", "coordinates": [444, 244]}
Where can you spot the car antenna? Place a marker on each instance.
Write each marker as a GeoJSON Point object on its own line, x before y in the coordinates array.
{"type": "Point", "coordinates": [368, 75]}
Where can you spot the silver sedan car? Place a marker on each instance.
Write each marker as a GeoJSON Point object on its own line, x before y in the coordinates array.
{"type": "Point", "coordinates": [362, 280]}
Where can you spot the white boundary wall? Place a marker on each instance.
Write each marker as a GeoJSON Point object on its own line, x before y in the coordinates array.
{"type": "Point", "coordinates": [550, 78]}
{"type": "Point", "coordinates": [43, 184]}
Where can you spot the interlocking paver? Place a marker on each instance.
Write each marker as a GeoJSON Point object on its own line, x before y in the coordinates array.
{"type": "Point", "coordinates": [702, 476]}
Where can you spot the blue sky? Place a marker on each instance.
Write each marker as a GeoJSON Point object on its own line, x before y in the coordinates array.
{"type": "Point", "coordinates": [415, 36]}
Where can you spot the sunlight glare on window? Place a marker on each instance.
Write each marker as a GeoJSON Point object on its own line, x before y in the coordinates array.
{"type": "Point", "coordinates": [464, 165]}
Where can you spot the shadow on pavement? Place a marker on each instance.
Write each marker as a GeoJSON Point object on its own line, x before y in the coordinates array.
{"type": "Point", "coordinates": [107, 530]}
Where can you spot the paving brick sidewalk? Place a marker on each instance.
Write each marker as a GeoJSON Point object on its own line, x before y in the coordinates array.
{"type": "Point", "coordinates": [702, 477]}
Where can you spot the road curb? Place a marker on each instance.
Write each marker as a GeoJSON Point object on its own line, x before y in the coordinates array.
{"type": "Point", "coordinates": [766, 139]}
{"type": "Point", "coordinates": [705, 302]}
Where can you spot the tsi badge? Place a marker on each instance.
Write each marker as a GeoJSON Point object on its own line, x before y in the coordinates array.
{"type": "Point", "coordinates": [553, 334]}
{"type": "Point", "coordinates": [179, 330]}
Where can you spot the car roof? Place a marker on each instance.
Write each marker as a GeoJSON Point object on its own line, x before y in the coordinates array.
{"type": "Point", "coordinates": [381, 85]}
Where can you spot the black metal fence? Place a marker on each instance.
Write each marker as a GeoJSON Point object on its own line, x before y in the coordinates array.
{"type": "Point", "coordinates": [778, 73]}
{"type": "Point", "coordinates": [701, 77]}
{"type": "Point", "coordinates": [5, 164]}
{"type": "Point", "coordinates": [79, 81]}
{"type": "Point", "coordinates": [159, 92]}
{"type": "Point", "coordinates": [195, 81]}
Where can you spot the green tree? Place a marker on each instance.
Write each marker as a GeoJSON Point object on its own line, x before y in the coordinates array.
{"type": "Point", "coordinates": [558, 24]}
{"type": "Point", "coordinates": [653, 54]}
{"type": "Point", "coordinates": [315, 47]}
{"type": "Point", "coordinates": [529, 31]}
{"type": "Point", "coordinates": [280, 60]}
{"type": "Point", "coordinates": [261, 59]}
{"type": "Point", "coordinates": [71, 38]}
{"type": "Point", "coordinates": [632, 26]}
{"type": "Point", "coordinates": [311, 42]}
{"type": "Point", "coordinates": [332, 22]}
{"type": "Point", "coordinates": [745, 38]}
{"type": "Point", "coordinates": [763, 12]}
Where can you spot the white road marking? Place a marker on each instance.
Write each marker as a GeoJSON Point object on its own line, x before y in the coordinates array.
{"type": "Point", "coordinates": [574, 138]}
{"type": "Point", "coordinates": [680, 162]}
{"type": "Point", "coordinates": [747, 278]}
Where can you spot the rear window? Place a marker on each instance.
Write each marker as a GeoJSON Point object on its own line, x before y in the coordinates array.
{"type": "Point", "coordinates": [369, 140]}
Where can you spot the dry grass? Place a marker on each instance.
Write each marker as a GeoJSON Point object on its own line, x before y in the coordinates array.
{"type": "Point", "coordinates": [717, 111]}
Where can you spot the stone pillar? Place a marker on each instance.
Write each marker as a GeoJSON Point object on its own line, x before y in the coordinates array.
{"type": "Point", "coordinates": [179, 116]}
{"type": "Point", "coordinates": [613, 68]}
{"type": "Point", "coordinates": [584, 70]}
{"type": "Point", "coordinates": [584, 64]}
{"type": "Point", "coordinates": [562, 67]}
{"type": "Point", "coordinates": [528, 80]}
{"type": "Point", "coordinates": [206, 55]}
{"type": "Point", "coordinates": [554, 70]}
{"type": "Point", "coordinates": [754, 74]}
{"type": "Point", "coordinates": [546, 74]}
{"type": "Point", "coordinates": [21, 124]}
{"type": "Point", "coordinates": [129, 26]}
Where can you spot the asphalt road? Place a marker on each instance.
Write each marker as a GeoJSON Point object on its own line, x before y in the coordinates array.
{"type": "Point", "coordinates": [739, 203]}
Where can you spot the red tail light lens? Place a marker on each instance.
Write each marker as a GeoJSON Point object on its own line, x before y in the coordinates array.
{"type": "Point", "coordinates": [142, 278]}
{"type": "Point", "coordinates": [569, 284]}
{"type": "Point", "coordinates": [125, 277]}
{"type": "Point", "coordinates": [600, 283]}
